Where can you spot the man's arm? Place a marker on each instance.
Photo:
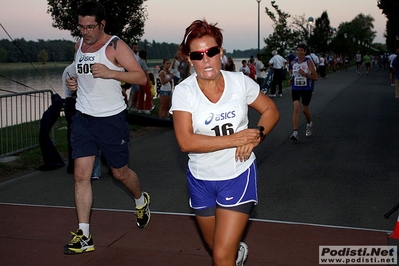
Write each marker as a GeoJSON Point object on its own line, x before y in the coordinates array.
{"type": "Point", "coordinates": [122, 56]}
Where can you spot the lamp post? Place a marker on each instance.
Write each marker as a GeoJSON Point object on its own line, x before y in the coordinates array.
{"type": "Point", "coordinates": [258, 25]}
{"type": "Point", "coordinates": [310, 23]}
{"type": "Point", "coordinates": [145, 47]}
{"type": "Point", "coordinates": [346, 58]}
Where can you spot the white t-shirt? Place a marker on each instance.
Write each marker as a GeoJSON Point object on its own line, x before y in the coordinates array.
{"type": "Point", "coordinates": [245, 70]}
{"type": "Point", "coordinates": [227, 116]}
{"type": "Point", "coordinates": [259, 65]}
{"type": "Point", "coordinates": [314, 59]}
{"type": "Point", "coordinates": [321, 61]}
{"type": "Point", "coordinates": [175, 69]}
{"type": "Point", "coordinates": [278, 61]}
{"type": "Point", "coordinates": [390, 59]}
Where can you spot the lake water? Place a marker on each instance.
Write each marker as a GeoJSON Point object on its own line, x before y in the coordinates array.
{"type": "Point", "coordinates": [26, 78]}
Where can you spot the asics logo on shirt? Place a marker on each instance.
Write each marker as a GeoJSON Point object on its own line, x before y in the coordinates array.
{"type": "Point", "coordinates": [220, 117]}
{"type": "Point", "coordinates": [86, 58]}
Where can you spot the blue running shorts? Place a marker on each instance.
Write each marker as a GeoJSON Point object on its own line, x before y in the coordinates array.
{"type": "Point", "coordinates": [90, 134]}
{"type": "Point", "coordinates": [238, 194]}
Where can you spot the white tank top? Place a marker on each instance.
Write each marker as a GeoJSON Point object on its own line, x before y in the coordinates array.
{"type": "Point", "coordinates": [96, 96]}
{"type": "Point", "coordinates": [167, 86]}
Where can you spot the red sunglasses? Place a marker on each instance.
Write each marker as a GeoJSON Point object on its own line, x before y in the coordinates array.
{"type": "Point", "coordinates": [210, 52]}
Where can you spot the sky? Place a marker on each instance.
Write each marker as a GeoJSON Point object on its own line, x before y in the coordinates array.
{"type": "Point", "coordinates": [167, 20]}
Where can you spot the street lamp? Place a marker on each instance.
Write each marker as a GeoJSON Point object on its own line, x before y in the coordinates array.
{"type": "Point", "coordinates": [310, 23]}
{"type": "Point", "coordinates": [145, 47]}
{"type": "Point", "coordinates": [258, 25]}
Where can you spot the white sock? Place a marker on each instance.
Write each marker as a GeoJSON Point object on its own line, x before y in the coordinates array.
{"type": "Point", "coordinates": [140, 202]}
{"type": "Point", "coordinates": [310, 124]}
{"type": "Point", "coordinates": [85, 228]}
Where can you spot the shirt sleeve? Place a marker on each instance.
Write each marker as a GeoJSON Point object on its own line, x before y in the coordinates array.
{"type": "Point", "coordinates": [252, 90]}
{"type": "Point", "coordinates": [180, 99]}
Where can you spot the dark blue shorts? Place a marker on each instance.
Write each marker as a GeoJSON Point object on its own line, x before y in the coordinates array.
{"type": "Point", "coordinates": [230, 194]}
{"type": "Point", "coordinates": [90, 134]}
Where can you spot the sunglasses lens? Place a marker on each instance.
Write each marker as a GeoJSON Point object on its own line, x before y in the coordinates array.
{"type": "Point", "coordinates": [213, 51]}
{"type": "Point", "coordinates": [210, 53]}
{"type": "Point", "coordinates": [196, 55]}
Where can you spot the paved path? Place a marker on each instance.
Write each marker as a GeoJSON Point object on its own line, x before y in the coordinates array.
{"type": "Point", "coordinates": [332, 188]}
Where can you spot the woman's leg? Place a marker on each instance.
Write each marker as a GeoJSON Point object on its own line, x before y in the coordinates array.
{"type": "Point", "coordinates": [223, 233]}
{"type": "Point", "coordinates": [163, 108]}
{"type": "Point", "coordinates": [305, 110]}
{"type": "Point", "coordinates": [295, 116]}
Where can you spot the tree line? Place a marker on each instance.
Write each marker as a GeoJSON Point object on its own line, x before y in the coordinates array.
{"type": "Point", "coordinates": [348, 38]}
{"type": "Point", "coordinates": [20, 50]}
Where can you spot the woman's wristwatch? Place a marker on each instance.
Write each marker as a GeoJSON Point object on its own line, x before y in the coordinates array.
{"type": "Point", "coordinates": [261, 129]}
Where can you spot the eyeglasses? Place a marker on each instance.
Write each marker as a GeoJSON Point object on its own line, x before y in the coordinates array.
{"type": "Point", "coordinates": [210, 52]}
{"type": "Point", "coordinates": [88, 28]}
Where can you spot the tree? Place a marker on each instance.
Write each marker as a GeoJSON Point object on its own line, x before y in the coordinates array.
{"type": "Point", "coordinates": [390, 9]}
{"type": "Point", "coordinates": [125, 18]}
{"type": "Point", "coordinates": [322, 34]}
{"type": "Point", "coordinates": [3, 54]}
{"type": "Point", "coordinates": [317, 38]}
{"type": "Point", "coordinates": [359, 32]}
{"type": "Point", "coordinates": [299, 23]}
{"type": "Point", "coordinates": [283, 38]}
{"type": "Point", "coordinates": [42, 57]}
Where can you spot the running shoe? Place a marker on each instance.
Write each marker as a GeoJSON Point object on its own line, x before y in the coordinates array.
{"type": "Point", "coordinates": [143, 214]}
{"type": "Point", "coordinates": [309, 129]}
{"type": "Point", "coordinates": [242, 254]}
{"type": "Point", "coordinates": [79, 243]}
{"type": "Point", "coordinates": [294, 136]}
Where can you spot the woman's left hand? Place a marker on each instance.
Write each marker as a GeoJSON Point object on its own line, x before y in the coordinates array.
{"type": "Point", "coordinates": [244, 152]}
{"type": "Point", "coordinates": [250, 138]}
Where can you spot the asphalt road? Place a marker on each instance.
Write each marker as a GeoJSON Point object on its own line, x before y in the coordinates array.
{"type": "Point", "coordinates": [345, 174]}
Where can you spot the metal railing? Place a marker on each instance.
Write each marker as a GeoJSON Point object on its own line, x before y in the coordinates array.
{"type": "Point", "coordinates": [20, 120]}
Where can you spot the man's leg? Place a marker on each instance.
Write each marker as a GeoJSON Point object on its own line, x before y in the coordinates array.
{"type": "Point", "coordinates": [142, 199]}
{"type": "Point", "coordinates": [129, 178]}
{"type": "Point", "coordinates": [83, 190]}
{"type": "Point", "coordinates": [82, 241]}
